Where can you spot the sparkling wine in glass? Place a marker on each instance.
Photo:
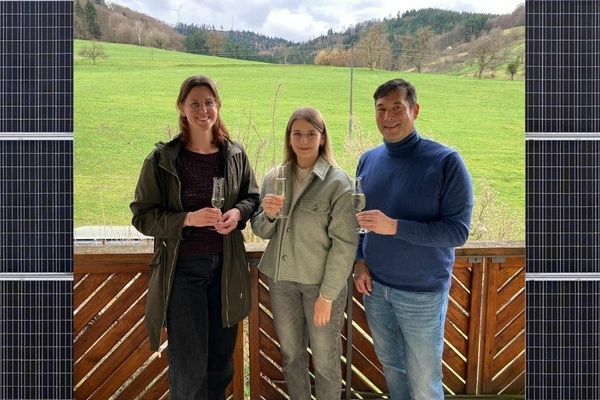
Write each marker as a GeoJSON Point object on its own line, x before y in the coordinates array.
{"type": "Point", "coordinates": [280, 185]}
{"type": "Point", "coordinates": [218, 193]}
{"type": "Point", "coordinates": [359, 200]}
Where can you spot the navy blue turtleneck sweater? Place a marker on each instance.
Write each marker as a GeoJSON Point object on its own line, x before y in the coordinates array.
{"type": "Point", "coordinates": [426, 187]}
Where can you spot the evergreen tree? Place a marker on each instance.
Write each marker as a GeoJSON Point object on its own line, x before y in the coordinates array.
{"type": "Point", "coordinates": [90, 18]}
{"type": "Point", "coordinates": [79, 22]}
{"type": "Point", "coordinates": [195, 41]}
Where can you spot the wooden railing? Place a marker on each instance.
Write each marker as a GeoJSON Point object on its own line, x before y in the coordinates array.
{"type": "Point", "coordinates": [484, 335]}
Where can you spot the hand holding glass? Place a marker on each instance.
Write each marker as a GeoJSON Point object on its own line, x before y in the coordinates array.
{"type": "Point", "coordinates": [280, 186]}
{"type": "Point", "coordinates": [358, 199]}
{"type": "Point", "coordinates": [218, 193]}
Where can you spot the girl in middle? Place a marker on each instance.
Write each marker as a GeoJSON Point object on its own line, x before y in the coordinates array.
{"type": "Point", "coordinates": [309, 255]}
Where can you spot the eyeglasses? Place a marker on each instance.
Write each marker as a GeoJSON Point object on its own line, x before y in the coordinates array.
{"type": "Point", "coordinates": [195, 105]}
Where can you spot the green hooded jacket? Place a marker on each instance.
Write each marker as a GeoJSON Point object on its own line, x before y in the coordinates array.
{"type": "Point", "coordinates": [158, 212]}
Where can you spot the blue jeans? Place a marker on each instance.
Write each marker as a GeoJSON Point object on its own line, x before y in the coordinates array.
{"type": "Point", "coordinates": [408, 334]}
{"type": "Point", "coordinates": [293, 308]}
{"type": "Point", "coordinates": [200, 349]}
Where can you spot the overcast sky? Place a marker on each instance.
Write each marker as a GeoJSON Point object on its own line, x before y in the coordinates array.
{"type": "Point", "coordinates": [295, 20]}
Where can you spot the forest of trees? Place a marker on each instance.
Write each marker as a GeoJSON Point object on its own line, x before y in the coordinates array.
{"type": "Point", "coordinates": [415, 39]}
{"type": "Point", "coordinates": [412, 40]}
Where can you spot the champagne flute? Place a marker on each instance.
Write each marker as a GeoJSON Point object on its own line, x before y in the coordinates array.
{"type": "Point", "coordinates": [358, 199]}
{"type": "Point", "coordinates": [218, 194]}
{"type": "Point", "coordinates": [280, 186]}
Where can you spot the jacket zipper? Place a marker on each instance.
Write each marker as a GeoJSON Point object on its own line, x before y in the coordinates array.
{"type": "Point", "coordinates": [227, 194]}
{"type": "Point", "coordinates": [170, 282]}
{"type": "Point", "coordinates": [285, 221]}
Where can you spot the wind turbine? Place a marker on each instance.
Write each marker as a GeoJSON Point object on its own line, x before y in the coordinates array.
{"type": "Point", "coordinates": [178, 16]}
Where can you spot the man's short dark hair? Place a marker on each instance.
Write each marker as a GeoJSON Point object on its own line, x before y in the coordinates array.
{"type": "Point", "coordinates": [397, 84]}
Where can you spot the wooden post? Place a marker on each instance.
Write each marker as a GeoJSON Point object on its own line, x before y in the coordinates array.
{"type": "Point", "coordinates": [253, 328]}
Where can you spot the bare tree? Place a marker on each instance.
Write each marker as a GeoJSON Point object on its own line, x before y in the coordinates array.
{"type": "Point", "coordinates": [322, 58]}
{"type": "Point", "coordinates": [158, 39]}
{"type": "Point", "coordinates": [111, 21]}
{"type": "Point", "coordinates": [95, 51]}
{"type": "Point", "coordinates": [124, 33]}
{"type": "Point", "coordinates": [215, 43]}
{"type": "Point", "coordinates": [487, 51]}
{"type": "Point", "coordinates": [505, 21]}
{"type": "Point", "coordinates": [418, 49]}
{"type": "Point", "coordinates": [374, 48]}
{"type": "Point", "coordinates": [492, 218]}
{"type": "Point", "coordinates": [333, 57]}
{"type": "Point", "coordinates": [283, 50]}
{"type": "Point", "coordinates": [139, 28]}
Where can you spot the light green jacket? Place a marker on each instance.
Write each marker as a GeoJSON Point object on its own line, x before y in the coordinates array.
{"type": "Point", "coordinates": [316, 243]}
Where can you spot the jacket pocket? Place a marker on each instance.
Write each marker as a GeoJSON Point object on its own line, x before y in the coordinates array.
{"type": "Point", "coordinates": [158, 255]}
{"type": "Point", "coordinates": [314, 206]}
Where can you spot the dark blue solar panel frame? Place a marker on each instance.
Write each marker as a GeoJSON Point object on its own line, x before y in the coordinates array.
{"type": "Point", "coordinates": [36, 201]}
{"type": "Point", "coordinates": [562, 199]}
{"type": "Point", "coordinates": [563, 344]}
{"type": "Point", "coordinates": [36, 206]}
{"type": "Point", "coordinates": [562, 66]}
{"type": "Point", "coordinates": [563, 206]}
{"type": "Point", "coordinates": [36, 341]}
{"type": "Point", "coordinates": [36, 59]}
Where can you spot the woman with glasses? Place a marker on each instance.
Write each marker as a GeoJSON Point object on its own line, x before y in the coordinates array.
{"type": "Point", "coordinates": [199, 278]}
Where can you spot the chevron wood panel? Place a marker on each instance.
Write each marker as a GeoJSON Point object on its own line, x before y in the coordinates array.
{"type": "Point", "coordinates": [459, 320]}
{"type": "Point", "coordinates": [483, 352]}
{"type": "Point", "coordinates": [466, 335]}
{"type": "Point", "coordinates": [504, 349]}
{"type": "Point", "coordinates": [111, 351]}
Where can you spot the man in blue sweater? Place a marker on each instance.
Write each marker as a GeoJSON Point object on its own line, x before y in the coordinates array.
{"type": "Point", "coordinates": [419, 203]}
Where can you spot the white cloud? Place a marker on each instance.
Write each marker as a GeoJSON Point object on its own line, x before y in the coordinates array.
{"type": "Point", "coordinates": [295, 26]}
{"type": "Point", "coordinates": [297, 21]}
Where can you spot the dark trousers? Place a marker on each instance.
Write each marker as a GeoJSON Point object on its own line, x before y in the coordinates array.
{"type": "Point", "coordinates": [200, 349]}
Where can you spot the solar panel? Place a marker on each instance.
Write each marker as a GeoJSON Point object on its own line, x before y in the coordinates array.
{"type": "Point", "coordinates": [562, 199]}
{"type": "Point", "coordinates": [562, 169]}
{"type": "Point", "coordinates": [36, 205]}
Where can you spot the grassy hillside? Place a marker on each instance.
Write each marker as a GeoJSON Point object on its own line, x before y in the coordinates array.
{"type": "Point", "coordinates": [459, 60]}
{"type": "Point", "coordinates": [125, 103]}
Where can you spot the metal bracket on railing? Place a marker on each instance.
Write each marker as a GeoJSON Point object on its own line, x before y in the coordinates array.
{"type": "Point", "coordinates": [498, 259]}
{"type": "Point", "coordinates": [475, 260]}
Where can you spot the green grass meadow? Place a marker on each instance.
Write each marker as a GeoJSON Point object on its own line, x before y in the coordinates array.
{"type": "Point", "coordinates": [126, 103]}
